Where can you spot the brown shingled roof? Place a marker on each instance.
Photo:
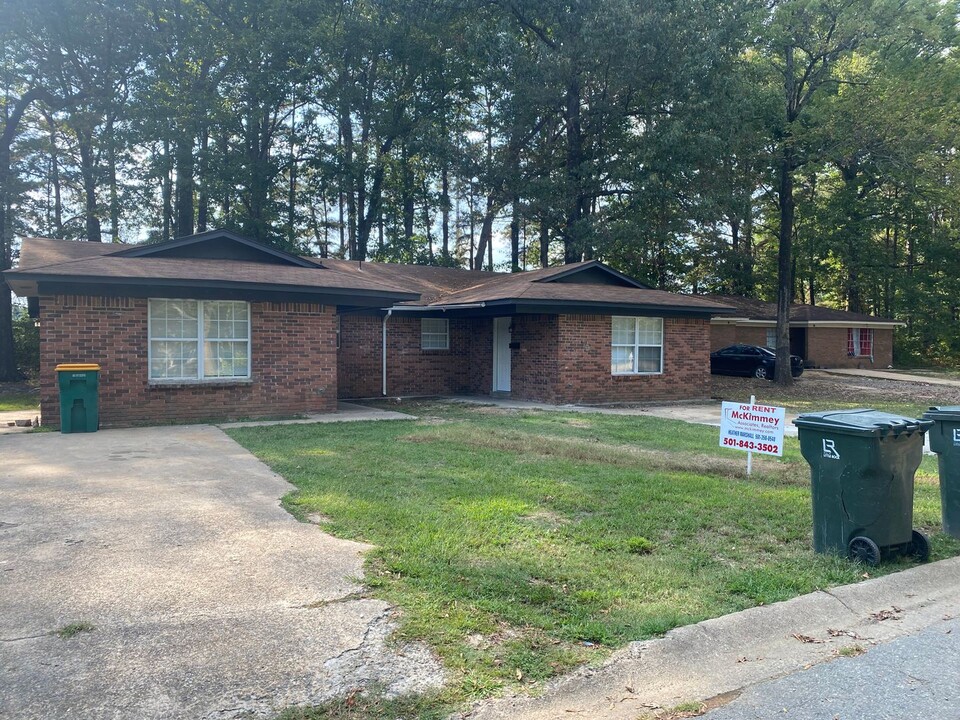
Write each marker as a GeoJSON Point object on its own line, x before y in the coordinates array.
{"type": "Point", "coordinates": [64, 261]}
{"type": "Point", "coordinates": [753, 309]}
{"type": "Point", "coordinates": [519, 286]}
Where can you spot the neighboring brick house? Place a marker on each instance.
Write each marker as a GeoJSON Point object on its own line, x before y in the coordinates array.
{"type": "Point", "coordinates": [218, 326]}
{"type": "Point", "coordinates": [823, 337]}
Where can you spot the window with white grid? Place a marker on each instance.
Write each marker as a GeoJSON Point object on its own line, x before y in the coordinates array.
{"type": "Point", "coordinates": [199, 339]}
{"type": "Point", "coordinates": [772, 338]}
{"type": "Point", "coordinates": [636, 345]}
{"type": "Point", "coordinates": [434, 334]}
{"type": "Point", "coordinates": [860, 342]}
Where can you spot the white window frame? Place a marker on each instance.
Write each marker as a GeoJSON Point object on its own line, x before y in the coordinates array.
{"type": "Point", "coordinates": [636, 344]}
{"type": "Point", "coordinates": [771, 345]}
{"type": "Point", "coordinates": [200, 340]}
{"type": "Point", "coordinates": [854, 334]}
{"type": "Point", "coordinates": [426, 336]}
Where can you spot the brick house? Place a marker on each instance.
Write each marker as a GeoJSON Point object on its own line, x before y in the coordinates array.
{"type": "Point", "coordinates": [217, 326]}
{"type": "Point", "coordinates": [823, 337]}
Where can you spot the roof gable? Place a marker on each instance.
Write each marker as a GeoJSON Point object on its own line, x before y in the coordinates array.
{"type": "Point", "coordinates": [217, 245]}
{"type": "Point", "coordinates": [591, 272]}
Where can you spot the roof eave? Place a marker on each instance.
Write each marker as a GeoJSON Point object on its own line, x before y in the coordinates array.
{"type": "Point", "coordinates": [591, 307]}
{"type": "Point", "coordinates": [25, 283]}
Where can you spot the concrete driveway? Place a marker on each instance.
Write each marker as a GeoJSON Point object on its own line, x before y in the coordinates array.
{"type": "Point", "coordinates": [205, 598]}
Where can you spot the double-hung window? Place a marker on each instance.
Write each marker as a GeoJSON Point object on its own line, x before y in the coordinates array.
{"type": "Point", "coordinates": [434, 334]}
{"type": "Point", "coordinates": [637, 346]}
{"type": "Point", "coordinates": [860, 342]}
{"type": "Point", "coordinates": [199, 339]}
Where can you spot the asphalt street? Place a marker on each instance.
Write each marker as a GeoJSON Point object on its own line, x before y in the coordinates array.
{"type": "Point", "coordinates": [911, 678]}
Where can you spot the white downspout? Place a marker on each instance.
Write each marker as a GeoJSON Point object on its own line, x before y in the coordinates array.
{"type": "Point", "coordinates": [384, 354]}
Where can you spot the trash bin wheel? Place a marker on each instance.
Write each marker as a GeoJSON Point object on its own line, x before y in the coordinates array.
{"type": "Point", "coordinates": [863, 550]}
{"type": "Point", "coordinates": [919, 547]}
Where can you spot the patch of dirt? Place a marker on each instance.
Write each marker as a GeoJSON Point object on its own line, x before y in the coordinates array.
{"type": "Point", "coordinates": [821, 387]}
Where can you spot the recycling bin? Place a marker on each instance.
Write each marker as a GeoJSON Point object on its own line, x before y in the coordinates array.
{"type": "Point", "coordinates": [862, 467]}
{"type": "Point", "coordinates": [945, 442]}
{"type": "Point", "coordinates": [79, 397]}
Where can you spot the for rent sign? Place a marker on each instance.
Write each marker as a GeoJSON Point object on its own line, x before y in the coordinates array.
{"type": "Point", "coordinates": [752, 427]}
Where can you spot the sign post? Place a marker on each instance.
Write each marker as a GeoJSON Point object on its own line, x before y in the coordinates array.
{"type": "Point", "coordinates": [753, 427]}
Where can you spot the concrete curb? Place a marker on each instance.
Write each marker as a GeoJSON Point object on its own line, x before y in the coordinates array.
{"type": "Point", "coordinates": [726, 654]}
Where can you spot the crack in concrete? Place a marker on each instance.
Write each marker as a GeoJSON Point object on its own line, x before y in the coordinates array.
{"type": "Point", "coordinates": [25, 637]}
{"type": "Point", "coordinates": [364, 641]}
{"type": "Point", "coordinates": [839, 600]}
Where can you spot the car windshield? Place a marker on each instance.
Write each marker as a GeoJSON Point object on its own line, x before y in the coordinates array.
{"type": "Point", "coordinates": [767, 351]}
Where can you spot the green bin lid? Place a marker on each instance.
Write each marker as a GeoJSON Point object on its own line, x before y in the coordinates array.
{"type": "Point", "coordinates": [950, 413]}
{"type": "Point", "coordinates": [864, 421]}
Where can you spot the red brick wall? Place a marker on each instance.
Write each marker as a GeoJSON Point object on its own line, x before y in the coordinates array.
{"type": "Point", "coordinates": [584, 363]}
{"type": "Point", "coordinates": [534, 365]}
{"type": "Point", "coordinates": [722, 335]}
{"type": "Point", "coordinates": [358, 359]}
{"type": "Point", "coordinates": [292, 354]}
{"type": "Point", "coordinates": [827, 347]}
{"type": "Point", "coordinates": [481, 357]}
{"type": "Point", "coordinates": [560, 358]}
{"type": "Point", "coordinates": [411, 370]}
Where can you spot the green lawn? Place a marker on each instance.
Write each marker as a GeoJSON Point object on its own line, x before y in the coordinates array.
{"type": "Point", "coordinates": [520, 544]}
{"type": "Point", "coordinates": [19, 401]}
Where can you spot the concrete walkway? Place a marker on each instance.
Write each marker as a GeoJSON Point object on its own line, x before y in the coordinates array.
{"type": "Point", "coordinates": [890, 375]}
{"type": "Point", "coordinates": [14, 421]}
{"type": "Point", "coordinates": [346, 412]}
{"type": "Point", "coordinates": [716, 659]}
{"type": "Point", "coordinates": [181, 587]}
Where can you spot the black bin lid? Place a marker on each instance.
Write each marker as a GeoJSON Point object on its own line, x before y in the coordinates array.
{"type": "Point", "coordinates": [863, 422]}
{"type": "Point", "coordinates": [950, 413]}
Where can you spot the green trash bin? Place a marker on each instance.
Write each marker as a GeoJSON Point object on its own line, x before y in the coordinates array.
{"type": "Point", "coordinates": [79, 401]}
{"type": "Point", "coordinates": [862, 466]}
{"type": "Point", "coordinates": [945, 442]}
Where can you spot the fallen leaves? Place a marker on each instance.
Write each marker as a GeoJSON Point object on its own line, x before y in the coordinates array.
{"type": "Point", "coordinates": [894, 613]}
{"type": "Point", "coordinates": [806, 638]}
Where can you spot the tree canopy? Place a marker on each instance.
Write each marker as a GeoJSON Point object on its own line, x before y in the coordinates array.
{"type": "Point", "coordinates": [790, 150]}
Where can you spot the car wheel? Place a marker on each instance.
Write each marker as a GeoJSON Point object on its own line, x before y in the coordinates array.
{"type": "Point", "coordinates": [761, 372]}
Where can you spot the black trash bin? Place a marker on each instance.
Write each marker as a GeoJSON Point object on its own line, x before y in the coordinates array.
{"type": "Point", "coordinates": [79, 397]}
{"type": "Point", "coordinates": [945, 442]}
{"type": "Point", "coordinates": [862, 466]}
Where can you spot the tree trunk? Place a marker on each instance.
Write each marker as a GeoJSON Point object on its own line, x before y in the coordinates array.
{"type": "Point", "coordinates": [783, 375]}
{"type": "Point", "coordinates": [515, 235]}
{"type": "Point", "coordinates": [203, 164]}
{"type": "Point", "coordinates": [445, 209]}
{"type": "Point", "coordinates": [485, 245]}
{"type": "Point", "coordinates": [88, 174]}
{"type": "Point", "coordinates": [112, 170]}
{"type": "Point", "coordinates": [544, 244]}
{"type": "Point", "coordinates": [572, 242]}
{"type": "Point", "coordinates": [406, 193]}
{"type": "Point", "coordinates": [183, 224]}
{"type": "Point", "coordinates": [8, 358]}
{"type": "Point", "coordinates": [167, 192]}
{"type": "Point", "coordinates": [55, 180]}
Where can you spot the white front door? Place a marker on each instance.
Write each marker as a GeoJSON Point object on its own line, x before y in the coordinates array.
{"type": "Point", "coordinates": [501, 354]}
